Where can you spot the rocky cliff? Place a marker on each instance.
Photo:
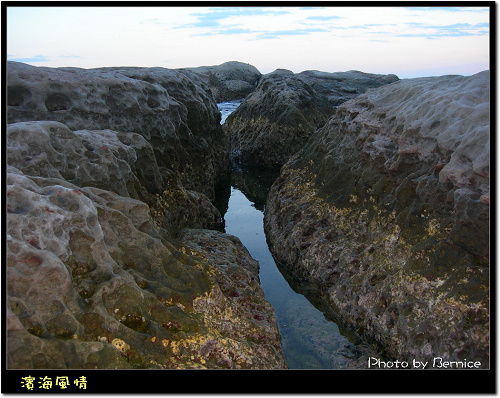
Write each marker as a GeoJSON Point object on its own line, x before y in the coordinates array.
{"type": "Point", "coordinates": [386, 211]}
{"type": "Point", "coordinates": [278, 118]}
{"type": "Point", "coordinates": [106, 170]}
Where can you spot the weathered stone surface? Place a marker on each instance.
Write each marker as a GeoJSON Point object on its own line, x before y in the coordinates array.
{"type": "Point", "coordinates": [95, 278]}
{"type": "Point", "coordinates": [92, 282]}
{"type": "Point", "coordinates": [386, 210]}
{"type": "Point", "coordinates": [123, 163]}
{"type": "Point", "coordinates": [240, 296]}
{"type": "Point", "coordinates": [229, 81]}
{"type": "Point", "coordinates": [275, 120]}
{"type": "Point", "coordinates": [173, 110]}
{"type": "Point", "coordinates": [105, 159]}
{"type": "Point", "coordinates": [339, 87]}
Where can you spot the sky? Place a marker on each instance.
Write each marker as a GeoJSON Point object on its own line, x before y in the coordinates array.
{"type": "Point", "coordinates": [406, 41]}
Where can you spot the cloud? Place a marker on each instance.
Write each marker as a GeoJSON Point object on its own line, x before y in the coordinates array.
{"type": "Point", "coordinates": [261, 22]}
{"type": "Point", "coordinates": [36, 58]}
{"type": "Point", "coordinates": [323, 18]}
{"type": "Point", "coordinates": [152, 21]}
{"type": "Point", "coordinates": [227, 31]}
{"type": "Point", "coordinates": [357, 27]}
{"type": "Point", "coordinates": [453, 30]}
{"type": "Point", "coordinates": [213, 17]}
{"type": "Point", "coordinates": [449, 9]}
{"type": "Point", "coordinates": [278, 33]}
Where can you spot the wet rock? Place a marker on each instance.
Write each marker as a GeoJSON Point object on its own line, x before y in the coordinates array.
{"type": "Point", "coordinates": [237, 275]}
{"type": "Point", "coordinates": [92, 282]}
{"type": "Point", "coordinates": [384, 211]}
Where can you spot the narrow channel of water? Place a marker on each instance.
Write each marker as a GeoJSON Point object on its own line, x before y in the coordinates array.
{"type": "Point", "coordinates": [311, 339]}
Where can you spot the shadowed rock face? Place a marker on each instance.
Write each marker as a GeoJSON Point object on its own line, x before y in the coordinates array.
{"type": "Point", "coordinates": [278, 118]}
{"type": "Point", "coordinates": [275, 120]}
{"type": "Point", "coordinates": [386, 210]}
{"type": "Point", "coordinates": [101, 272]}
{"type": "Point", "coordinates": [174, 112]}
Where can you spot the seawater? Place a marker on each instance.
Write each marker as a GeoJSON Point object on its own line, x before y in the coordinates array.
{"type": "Point", "coordinates": [311, 338]}
{"type": "Point", "coordinates": [226, 108]}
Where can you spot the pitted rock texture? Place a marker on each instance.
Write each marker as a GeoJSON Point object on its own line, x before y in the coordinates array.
{"type": "Point", "coordinates": [278, 118]}
{"type": "Point", "coordinates": [105, 159]}
{"type": "Point", "coordinates": [123, 163]}
{"type": "Point", "coordinates": [173, 110]}
{"type": "Point", "coordinates": [237, 277]}
{"type": "Point", "coordinates": [92, 282]}
{"type": "Point", "coordinates": [229, 81]}
{"type": "Point", "coordinates": [275, 120]}
{"type": "Point", "coordinates": [339, 87]}
{"type": "Point", "coordinates": [95, 276]}
{"type": "Point", "coordinates": [386, 211]}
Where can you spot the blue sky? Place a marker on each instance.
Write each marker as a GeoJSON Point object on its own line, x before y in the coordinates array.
{"type": "Point", "coordinates": [407, 41]}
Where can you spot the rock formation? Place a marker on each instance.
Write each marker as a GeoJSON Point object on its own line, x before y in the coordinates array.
{"type": "Point", "coordinates": [123, 163]}
{"type": "Point", "coordinates": [106, 170]}
{"type": "Point", "coordinates": [278, 118]}
{"type": "Point", "coordinates": [92, 282]}
{"type": "Point", "coordinates": [339, 87]}
{"type": "Point", "coordinates": [386, 211]}
{"type": "Point", "coordinates": [275, 120]}
{"type": "Point", "coordinates": [174, 113]}
{"type": "Point", "coordinates": [229, 81]}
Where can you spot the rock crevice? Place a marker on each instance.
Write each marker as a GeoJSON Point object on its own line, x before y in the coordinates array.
{"type": "Point", "coordinates": [277, 119]}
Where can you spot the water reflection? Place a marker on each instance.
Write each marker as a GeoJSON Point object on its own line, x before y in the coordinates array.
{"type": "Point", "coordinates": [311, 339]}
{"type": "Point", "coordinates": [313, 336]}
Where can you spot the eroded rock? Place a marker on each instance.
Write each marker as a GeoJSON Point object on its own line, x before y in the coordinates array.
{"type": "Point", "coordinates": [385, 211]}
{"type": "Point", "coordinates": [278, 118]}
{"type": "Point", "coordinates": [174, 112]}
{"type": "Point", "coordinates": [95, 278]}
{"type": "Point", "coordinates": [275, 120]}
{"type": "Point", "coordinates": [123, 163]}
{"type": "Point", "coordinates": [92, 282]}
{"type": "Point", "coordinates": [229, 81]}
{"type": "Point", "coordinates": [339, 87]}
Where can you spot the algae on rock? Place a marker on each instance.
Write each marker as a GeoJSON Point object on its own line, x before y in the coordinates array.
{"type": "Point", "coordinates": [280, 115]}
{"type": "Point", "coordinates": [385, 210]}
{"type": "Point", "coordinates": [93, 283]}
{"type": "Point", "coordinates": [106, 168]}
